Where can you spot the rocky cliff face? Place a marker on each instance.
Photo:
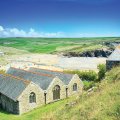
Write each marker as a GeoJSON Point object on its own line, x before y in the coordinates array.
{"type": "Point", "coordinates": [111, 44]}
{"type": "Point", "coordinates": [95, 53]}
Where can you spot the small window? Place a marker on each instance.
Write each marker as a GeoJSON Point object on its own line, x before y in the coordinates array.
{"type": "Point", "coordinates": [32, 98]}
{"type": "Point", "coordinates": [75, 87]}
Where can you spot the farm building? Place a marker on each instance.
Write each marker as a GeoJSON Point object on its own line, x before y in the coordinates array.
{"type": "Point", "coordinates": [113, 59]}
{"type": "Point", "coordinates": [22, 91]}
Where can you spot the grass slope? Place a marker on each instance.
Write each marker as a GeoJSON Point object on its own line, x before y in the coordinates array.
{"type": "Point", "coordinates": [52, 45]}
{"type": "Point", "coordinates": [102, 104]}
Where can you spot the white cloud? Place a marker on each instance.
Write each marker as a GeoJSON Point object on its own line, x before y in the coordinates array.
{"type": "Point", "coordinates": [79, 35]}
{"type": "Point", "coordinates": [14, 32]}
{"type": "Point", "coordinates": [1, 28]}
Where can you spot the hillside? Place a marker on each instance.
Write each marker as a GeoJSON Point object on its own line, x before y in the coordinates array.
{"type": "Point", "coordinates": [102, 104]}
{"type": "Point", "coordinates": [56, 45]}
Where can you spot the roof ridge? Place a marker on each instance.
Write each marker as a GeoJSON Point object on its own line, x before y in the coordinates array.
{"type": "Point", "coordinates": [51, 70]}
{"type": "Point", "coordinates": [18, 78]}
{"type": "Point", "coordinates": [47, 75]}
{"type": "Point", "coordinates": [116, 50]}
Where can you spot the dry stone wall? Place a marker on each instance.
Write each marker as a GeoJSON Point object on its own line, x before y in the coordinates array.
{"type": "Point", "coordinates": [9, 105]}
{"type": "Point", "coordinates": [79, 83]}
{"type": "Point", "coordinates": [24, 104]}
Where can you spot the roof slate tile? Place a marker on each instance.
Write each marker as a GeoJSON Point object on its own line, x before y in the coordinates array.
{"type": "Point", "coordinates": [43, 80]}
{"type": "Point", "coordinates": [12, 86]}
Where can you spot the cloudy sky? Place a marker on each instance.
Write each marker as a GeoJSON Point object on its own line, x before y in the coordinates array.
{"type": "Point", "coordinates": [59, 18]}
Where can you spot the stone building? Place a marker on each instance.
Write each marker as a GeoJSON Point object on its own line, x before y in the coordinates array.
{"type": "Point", "coordinates": [113, 59]}
{"type": "Point", "coordinates": [22, 91]}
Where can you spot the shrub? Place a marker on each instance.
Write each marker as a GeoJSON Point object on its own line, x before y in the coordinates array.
{"type": "Point", "coordinates": [88, 84]}
{"type": "Point", "coordinates": [102, 71]}
{"type": "Point", "coordinates": [87, 76]}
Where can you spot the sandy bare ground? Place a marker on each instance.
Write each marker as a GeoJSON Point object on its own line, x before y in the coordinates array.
{"type": "Point", "coordinates": [80, 63]}
{"type": "Point", "coordinates": [55, 62]}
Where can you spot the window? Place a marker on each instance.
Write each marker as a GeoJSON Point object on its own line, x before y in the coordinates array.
{"type": "Point", "coordinates": [32, 98]}
{"type": "Point", "coordinates": [75, 87]}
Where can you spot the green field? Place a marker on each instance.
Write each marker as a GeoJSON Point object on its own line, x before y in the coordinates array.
{"type": "Point", "coordinates": [55, 45]}
{"type": "Point", "coordinates": [102, 104]}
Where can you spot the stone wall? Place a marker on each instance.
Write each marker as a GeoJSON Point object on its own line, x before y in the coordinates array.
{"type": "Point", "coordinates": [49, 95]}
{"type": "Point", "coordinates": [79, 83]}
{"type": "Point", "coordinates": [9, 105]}
{"type": "Point", "coordinates": [24, 104]}
{"type": "Point", "coordinates": [63, 87]}
{"type": "Point", "coordinates": [111, 64]}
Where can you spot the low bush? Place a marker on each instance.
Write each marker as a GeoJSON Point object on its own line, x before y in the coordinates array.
{"type": "Point", "coordinates": [87, 76]}
{"type": "Point", "coordinates": [88, 84]}
{"type": "Point", "coordinates": [102, 71]}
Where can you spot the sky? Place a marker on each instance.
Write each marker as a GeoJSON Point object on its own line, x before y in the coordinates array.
{"type": "Point", "coordinates": [59, 18]}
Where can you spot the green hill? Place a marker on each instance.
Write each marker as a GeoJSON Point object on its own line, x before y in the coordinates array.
{"type": "Point", "coordinates": [101, 104]}
{"type": "Point", "coordinates": [56, 45]}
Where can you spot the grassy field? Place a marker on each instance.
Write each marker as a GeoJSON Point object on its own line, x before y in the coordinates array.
{"type": "Point", "coordinates": [53, 45]}
{"type": "Point", "coordinates": [102, 104]}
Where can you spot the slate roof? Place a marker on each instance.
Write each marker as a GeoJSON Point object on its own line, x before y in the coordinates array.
{"type": "Point", "coordinates": [11, 86]}
{"type": "Point", "coordinates": [66, 78]}
{"type": "Point", "coordinates": [43, 80]}
{"type": "Point", "coordinates": [115, 56]}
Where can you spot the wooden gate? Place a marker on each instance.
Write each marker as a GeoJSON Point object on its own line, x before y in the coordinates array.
{"type": "Point", "coordinates": [56, 92]}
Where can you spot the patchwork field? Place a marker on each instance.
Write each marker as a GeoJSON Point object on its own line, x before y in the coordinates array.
{"type": "Point", "coordinates": [55, 45]}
